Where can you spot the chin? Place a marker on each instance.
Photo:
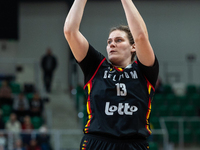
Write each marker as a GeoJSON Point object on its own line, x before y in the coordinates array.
{"type": "Point", "coordinates": [114, 60]}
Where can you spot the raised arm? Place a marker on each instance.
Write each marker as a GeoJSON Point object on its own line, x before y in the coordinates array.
{"type": "Point", "coordinates": [77, 42]}
{"type": "Point", "coordinates": [138, 29]}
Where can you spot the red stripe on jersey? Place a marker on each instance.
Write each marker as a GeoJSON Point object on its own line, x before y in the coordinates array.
{"type": "Point", "coordinates": [89, 111]}
{"type": "Point", "coordinates": [149, 88]}
{"type": "Point", "coordinates": [147, 116]}
{"type": "Point", "coordinates": [84, 145]}
{"type": "Point", "coordinates": [119, 69]}
{"type": "Point", "coordinates": [149, 84]}
{"type": "Point", "coordinates": [89, 85]}
{"type": "Point", "coordinates": [95, 72]}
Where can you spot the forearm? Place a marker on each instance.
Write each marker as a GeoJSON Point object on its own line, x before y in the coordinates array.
{"type": "Point", "coordinates": [74, 17]}
{"type": "Point", "coordinates": [144, 50]}
{"type": "Point", "coordinates": [134, 19]}
{"type": "Point", "coordinates": [77, 42]}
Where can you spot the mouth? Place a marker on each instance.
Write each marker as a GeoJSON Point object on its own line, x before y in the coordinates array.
{"type": "Point", "coordinates": [112, 51]}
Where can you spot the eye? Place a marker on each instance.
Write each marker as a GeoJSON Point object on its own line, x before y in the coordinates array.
{"type": "Point", "coordinates": [118, 40]}
{"type": "Point", "coordinates": [109, 41]}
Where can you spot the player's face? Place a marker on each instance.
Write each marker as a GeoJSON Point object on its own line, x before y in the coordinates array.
{"type": "Point", "coordinates": [119, 49]}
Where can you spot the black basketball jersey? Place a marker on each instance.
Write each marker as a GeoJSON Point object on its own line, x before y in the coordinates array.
{"type": "Point", "coordinates": [118, 99]}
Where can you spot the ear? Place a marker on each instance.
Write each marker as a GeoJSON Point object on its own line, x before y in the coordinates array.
{"type": "Point", "coordinates": [133, 48]}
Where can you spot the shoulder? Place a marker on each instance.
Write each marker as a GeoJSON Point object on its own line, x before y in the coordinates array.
{"type": "Point", "coordinates": [91, 63]}
{"type": "Point", "coordinates": [151, 73]}
{"type": "Point", "coordinates": [143, 67]}
{"type": "Point", "coordinates": [93, 58]}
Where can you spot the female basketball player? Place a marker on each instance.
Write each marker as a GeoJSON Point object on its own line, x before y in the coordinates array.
{"type": "Point", "coordinates": [119, 92]}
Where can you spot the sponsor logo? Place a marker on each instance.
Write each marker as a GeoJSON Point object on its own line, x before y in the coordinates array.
{"type": "Point", "coordinates": [122, 109]}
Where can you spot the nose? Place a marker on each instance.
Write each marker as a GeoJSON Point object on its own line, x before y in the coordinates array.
{"type": "Point", "coordinates": [112, 44]}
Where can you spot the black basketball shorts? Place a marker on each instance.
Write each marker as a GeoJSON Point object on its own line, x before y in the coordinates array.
{"type": "Point", "coordinates": [94, 142]}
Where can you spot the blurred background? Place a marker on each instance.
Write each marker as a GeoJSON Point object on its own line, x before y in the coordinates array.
{"type": "Point", "coordinates": [54, 119]}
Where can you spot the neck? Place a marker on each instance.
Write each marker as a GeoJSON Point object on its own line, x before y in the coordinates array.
{"type": "Point", "coordinates": [121, 66]}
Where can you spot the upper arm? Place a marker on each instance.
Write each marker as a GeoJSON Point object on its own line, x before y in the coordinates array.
{"type": "Point", "coordinates": [139, 31]}
{"type": "Point", "coordinates": [144, 51]}
{"type": "Point", "coordinates": [78, 44]}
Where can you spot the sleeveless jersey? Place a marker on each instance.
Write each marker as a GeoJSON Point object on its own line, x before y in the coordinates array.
{"type": "Point", "coordinates": [118, 100]}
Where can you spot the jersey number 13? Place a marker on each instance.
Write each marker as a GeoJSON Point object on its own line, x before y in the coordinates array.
{"type": "Point", "coordinates": [121, 89]}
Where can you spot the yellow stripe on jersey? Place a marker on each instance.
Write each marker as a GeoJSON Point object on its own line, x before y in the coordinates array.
{"type": "Point", "coordinates": [120, 69]}
{"type": "Point", "coordinates": [89, 87]}
{"type": "Point", "coordinates": [147, 117]}
{"type": "Point", "coordinates": [89, 114]}
{"type": "Point", "coordinates": [88, 107]}
{"type": "Point", "coordinates": [149, 112]}
{"type": "Point", "coordinates": [149, 89]}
